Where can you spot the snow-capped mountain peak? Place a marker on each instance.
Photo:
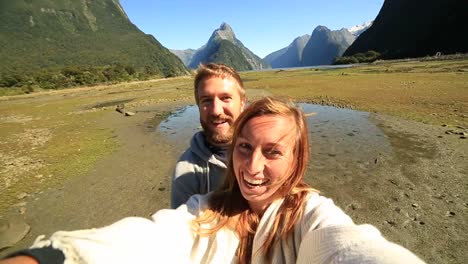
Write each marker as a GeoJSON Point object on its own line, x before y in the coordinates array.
{"type": "Point", "coordinates": [358, 29]}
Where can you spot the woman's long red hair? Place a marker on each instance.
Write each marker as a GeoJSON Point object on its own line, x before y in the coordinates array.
{"type": "Point", "coordinates": [227, 207]}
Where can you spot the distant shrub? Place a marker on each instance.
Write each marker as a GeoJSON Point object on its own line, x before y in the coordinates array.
{"type": "Point", "coordinates": [72, 76]}
{"type": "Point", "coordinates": [367, 57]}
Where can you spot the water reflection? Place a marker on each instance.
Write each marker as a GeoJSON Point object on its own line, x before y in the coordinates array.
{"type": "Point", "coordinates": [331, 127]}
{"type": "Point", "coordinates": [343, 141]}
{"type": "Point", "coordinates": [181, 124]}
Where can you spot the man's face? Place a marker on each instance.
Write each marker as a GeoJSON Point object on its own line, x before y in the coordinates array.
{"type": "Point", "coordinates": [219, 103]}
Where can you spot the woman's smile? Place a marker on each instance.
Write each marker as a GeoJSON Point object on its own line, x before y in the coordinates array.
{"type": "Point", "coordinates": [262, 158]}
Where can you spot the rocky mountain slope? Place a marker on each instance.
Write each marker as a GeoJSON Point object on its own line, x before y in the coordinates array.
{"type": "Point", "coordinates": [290, 56]}
{"type": "Point", "coordinates": [325, 45]}
{"type": "Point", "coordinates": [223, 47]}
{"type": "Point", "coordinates": [320, 48]}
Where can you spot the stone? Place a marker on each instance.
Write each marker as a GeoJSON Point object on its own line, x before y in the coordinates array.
{"type": "Point", "coordinates": [12, 231]}
{"type": "Point", "coordinates": [128, 113]}
{"type": "Point", "coordinates": [450, 214]}
{"type": "Point", "coordinates": [22, 195]}
{"type": "Point", "coordinates": [120, 108]}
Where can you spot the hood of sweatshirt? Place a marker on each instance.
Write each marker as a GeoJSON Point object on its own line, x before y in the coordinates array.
{"type": "Point", "coordinates": [199, 147]}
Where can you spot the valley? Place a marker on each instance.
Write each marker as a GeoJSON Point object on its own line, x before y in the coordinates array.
{"type": "Point", "coordinates": [68, 160]}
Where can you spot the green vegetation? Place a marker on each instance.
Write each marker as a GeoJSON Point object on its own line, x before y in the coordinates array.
{"type": "Point", "coordinates": [367, 57]}
{"type": "Point", "coordinates": [72, 76]}
{"type": "Point", "coordinates": [231, 55]}
{"type": "Point", "coordinates": [64, 43]}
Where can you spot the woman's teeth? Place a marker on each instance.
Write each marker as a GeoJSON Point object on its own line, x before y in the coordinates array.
{"type": "Point", "coordinates": [256, 182]}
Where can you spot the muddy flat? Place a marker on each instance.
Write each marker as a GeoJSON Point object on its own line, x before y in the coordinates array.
{"type": "Point", "coordinates": [69, 160]}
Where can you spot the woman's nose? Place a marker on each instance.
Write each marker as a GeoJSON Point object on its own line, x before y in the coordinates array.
{"type": "Point", "coordinates": [256, 162]}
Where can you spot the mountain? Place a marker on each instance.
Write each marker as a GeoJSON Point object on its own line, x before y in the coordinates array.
{"type": "Point", "coordinates": [224, 47]}
{"type": "Point", "coordinates": [184, 55]}
{"type": "Point", "coordinates": [289, 56]}
{"type": "Point", "coordinates": [324, 45]}
{"type": "Point", "coordinates": [42, 35]}
{"type": "Point", "coordinates": [358, 29]}
{"type": "Point", "coordinates": [416, 28]}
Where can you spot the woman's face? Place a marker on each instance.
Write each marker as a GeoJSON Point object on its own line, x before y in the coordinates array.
{"type": "Point", "coordinates": [262, 158]}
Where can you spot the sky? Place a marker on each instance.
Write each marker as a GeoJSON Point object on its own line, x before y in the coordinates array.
{"type": "Point", "coordinates": [262, 26]}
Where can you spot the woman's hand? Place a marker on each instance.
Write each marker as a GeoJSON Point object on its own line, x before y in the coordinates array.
{"type": "Point", "coordinates": [19, 260]}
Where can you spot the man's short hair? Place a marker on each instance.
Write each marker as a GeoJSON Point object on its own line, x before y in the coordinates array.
{"type": "Point", "coordinates": [219, 70]}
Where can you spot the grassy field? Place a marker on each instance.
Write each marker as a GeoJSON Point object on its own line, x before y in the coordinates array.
{"type": "Point", "coordinates": [49, 136]}
{"type": "Point", "coordinates": [434, 92]}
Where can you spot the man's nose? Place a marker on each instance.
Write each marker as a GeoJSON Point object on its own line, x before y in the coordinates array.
{"type": "Point", "coordinates": [217, 107]}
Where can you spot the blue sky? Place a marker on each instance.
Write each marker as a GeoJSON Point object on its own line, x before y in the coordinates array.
{"type": "Point", "coordinates": [262, 26]}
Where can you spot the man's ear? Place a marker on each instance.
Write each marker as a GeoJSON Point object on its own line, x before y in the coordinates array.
{"type": "Point", "coordinates": [243, 102]}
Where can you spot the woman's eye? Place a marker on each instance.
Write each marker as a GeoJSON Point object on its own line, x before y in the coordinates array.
{"type": "Point", "coordinates": [273, 153]}
{"type": "Point", "coordinates": [244, 146]}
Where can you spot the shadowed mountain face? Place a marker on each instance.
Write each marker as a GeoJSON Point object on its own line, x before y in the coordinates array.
{"type": "Point", "coordinates": [41, 34]}
{"type": "Point", "coordinates": [325, 45]}
{"type": "Point", "coordinates": [319, 49]}
{"type": "Point", "coordinates": [416, 28]}
{"type": "Point", "coordinates": [224, 47]}
{"type": "Point", "coordinates": [289, 56]}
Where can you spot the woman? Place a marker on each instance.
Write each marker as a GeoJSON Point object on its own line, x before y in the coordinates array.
{"type": "Point", "coordinates": [263, 213]}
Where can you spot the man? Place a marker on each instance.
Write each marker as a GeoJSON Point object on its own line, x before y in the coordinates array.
{"type": "Point", "coordinates": [220, 97]}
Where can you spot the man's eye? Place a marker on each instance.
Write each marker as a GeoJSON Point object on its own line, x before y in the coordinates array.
{"type": "Point", "coordinates": [226, 98]}
{"type": "Point", "coordinates": [205, 100]}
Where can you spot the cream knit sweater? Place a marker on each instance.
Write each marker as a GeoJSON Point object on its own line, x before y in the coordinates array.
{"type": "Point", "coordinates": [324, 235]}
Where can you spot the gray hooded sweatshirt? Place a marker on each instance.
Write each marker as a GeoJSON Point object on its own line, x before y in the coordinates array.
{"type": "Point", "coordinates": [198, 171]}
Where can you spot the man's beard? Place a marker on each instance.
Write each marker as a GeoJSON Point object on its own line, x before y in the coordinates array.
{"type": "Point", "coordinates": [215, 137]}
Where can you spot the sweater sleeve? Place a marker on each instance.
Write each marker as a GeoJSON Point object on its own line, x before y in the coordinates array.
{"type": "Point", "coordinates": [321, 212]}
{"type": "Point", "coordinates": [185, 182]}
{"type": "Point", "coordinates": [352, 244]}
{"type": "Point", "coordinates": [130, 240]}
